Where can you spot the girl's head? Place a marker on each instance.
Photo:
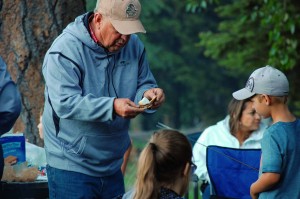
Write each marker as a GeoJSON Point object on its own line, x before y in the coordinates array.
{"type": "Point", "coordinates": [243, 116]}
{"type": "Point", "coordinates": [164, 161]}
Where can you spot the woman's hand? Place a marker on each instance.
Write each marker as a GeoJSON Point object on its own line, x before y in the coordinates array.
{"type": "Point", "coordinates": [10, 160]}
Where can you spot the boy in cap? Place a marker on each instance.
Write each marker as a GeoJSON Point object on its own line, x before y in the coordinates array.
{"type": "Point", "coordinates": [279, 170]}
{"type": "Point", "coordinates": [95, 74]}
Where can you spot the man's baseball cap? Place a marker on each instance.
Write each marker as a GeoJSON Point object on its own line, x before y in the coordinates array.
{"type": "Point", "coordinates": [266, 80]}
{"type": "Point", "coordinates": [123, 14]}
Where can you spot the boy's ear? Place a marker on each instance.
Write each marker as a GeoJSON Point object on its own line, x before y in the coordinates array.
{"type": "Point", "coordinates": [266, 99]}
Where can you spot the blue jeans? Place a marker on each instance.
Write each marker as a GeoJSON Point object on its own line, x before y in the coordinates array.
{"type": "Point", "coordinates": [73, 185]}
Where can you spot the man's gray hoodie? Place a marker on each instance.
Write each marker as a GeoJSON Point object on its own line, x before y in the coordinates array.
{"type": "Point", "coordinates": [82, 133]}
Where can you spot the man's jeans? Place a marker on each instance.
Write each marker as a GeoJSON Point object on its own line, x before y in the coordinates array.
{"type": "Point", "coordinates": [72, 185]}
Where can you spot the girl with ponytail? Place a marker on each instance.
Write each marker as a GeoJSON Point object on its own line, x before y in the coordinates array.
{"type": "Point", "coordinates": [163, 167]}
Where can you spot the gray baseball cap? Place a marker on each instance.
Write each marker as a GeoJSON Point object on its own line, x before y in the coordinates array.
{"type": "Point", "coordinates": [266, 80]}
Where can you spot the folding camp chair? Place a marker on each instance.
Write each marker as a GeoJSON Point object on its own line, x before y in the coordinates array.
{"type": "Point", "coordinates": [193, 137]}
{"type": "Point", "coordinates": [232, 171]}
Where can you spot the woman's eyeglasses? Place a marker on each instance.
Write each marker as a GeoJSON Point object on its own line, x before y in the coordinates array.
{"type": "Point", "coordinates": [193, 167]}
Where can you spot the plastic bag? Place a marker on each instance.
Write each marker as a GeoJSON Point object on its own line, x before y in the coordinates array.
{"type": "Point", "coordinates": [35, 155]}
{"type": "Point", "coordinates": [19, 173]}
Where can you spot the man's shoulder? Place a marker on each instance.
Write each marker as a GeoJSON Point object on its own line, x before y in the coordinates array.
{"type": "Point", "coordinates": [65, 40]}
{"type": "Point", "coordinates": [66, 45]}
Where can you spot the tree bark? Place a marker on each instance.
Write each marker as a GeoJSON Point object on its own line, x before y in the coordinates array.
{"type": "Point", "coordinates": [27, 29]}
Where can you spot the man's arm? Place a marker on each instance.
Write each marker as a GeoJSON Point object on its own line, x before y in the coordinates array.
{"type": "Point", "coordinates": [10, 100]}
{"type": "Point", "coordinates": [265, 182]}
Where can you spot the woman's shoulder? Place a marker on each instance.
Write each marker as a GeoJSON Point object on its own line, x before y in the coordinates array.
{"type": "Point", "coordinates": [221, 127]}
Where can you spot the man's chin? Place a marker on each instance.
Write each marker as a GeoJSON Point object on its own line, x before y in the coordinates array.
{"type": "Point", "coordinates": [114, 48]}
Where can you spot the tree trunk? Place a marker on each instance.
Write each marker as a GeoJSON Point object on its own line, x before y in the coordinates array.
{"type": "Point", "coordinates": [27, 29]}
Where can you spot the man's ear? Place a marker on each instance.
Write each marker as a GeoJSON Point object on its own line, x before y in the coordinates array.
{"type": "Point", "coordinates": [186, 170]}
{"type": "Point", "coordinates": [97, 18]}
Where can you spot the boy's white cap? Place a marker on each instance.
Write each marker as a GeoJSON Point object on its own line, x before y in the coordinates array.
{"type": "Point", "coordinates": [123, 14]}
{"type": "Point", "coordinates": [266, 80]}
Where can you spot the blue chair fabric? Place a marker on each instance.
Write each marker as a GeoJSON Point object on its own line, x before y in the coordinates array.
{"type": "Point", "coordinates": [232, 171]}
{"type": "Point", "coordinates": [193, 137]}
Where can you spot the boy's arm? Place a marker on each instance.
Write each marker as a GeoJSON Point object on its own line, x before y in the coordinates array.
{"type": "Point", "coordinates": [265, 182]}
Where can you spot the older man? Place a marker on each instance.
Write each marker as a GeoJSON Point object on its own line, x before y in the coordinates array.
{"type": "Point", "coordinates": [96, 71]}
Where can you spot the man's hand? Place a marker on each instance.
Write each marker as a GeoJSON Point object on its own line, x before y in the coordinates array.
{"type": "Point", "coordinates": [158, 93]}
{"type": "Point", "coordinates": [126, 108]}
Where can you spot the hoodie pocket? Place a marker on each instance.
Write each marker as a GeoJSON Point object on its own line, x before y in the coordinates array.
{"type": "Point", "coordinates": [99, 148]}
{"type": "Point", "coordinates": [77, 146]}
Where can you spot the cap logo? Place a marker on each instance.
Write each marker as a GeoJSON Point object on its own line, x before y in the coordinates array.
{"type": "Point", "coordinates": [131, 10]}
{"type": "Point", "coordinates": [250, 84]}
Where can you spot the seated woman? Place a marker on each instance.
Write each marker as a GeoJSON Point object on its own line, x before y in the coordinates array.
{"type": "Point", "coordinates": [242, 128]}
{"type": "Point", "coordinates": [163, 167]}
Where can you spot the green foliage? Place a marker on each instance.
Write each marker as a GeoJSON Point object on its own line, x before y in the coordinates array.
{"type": "Point", "coordinates": [235, 44]}
{"type": "Point", "coordinates": [195, 6]}
{"type": "Point", "coordinates": [253, 34]}
{"type": "Point", "coordinates": [280, 19]}
{"type": "Point", "coordinates": [191, 82]}
{"type": "Point", "coordinates": [90, 5]}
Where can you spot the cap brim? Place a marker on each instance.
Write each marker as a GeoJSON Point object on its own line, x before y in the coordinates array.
{"type": "Point", "coordinates": [242, 94]}
{"type": "Point", "coordinates": [128, 27]}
